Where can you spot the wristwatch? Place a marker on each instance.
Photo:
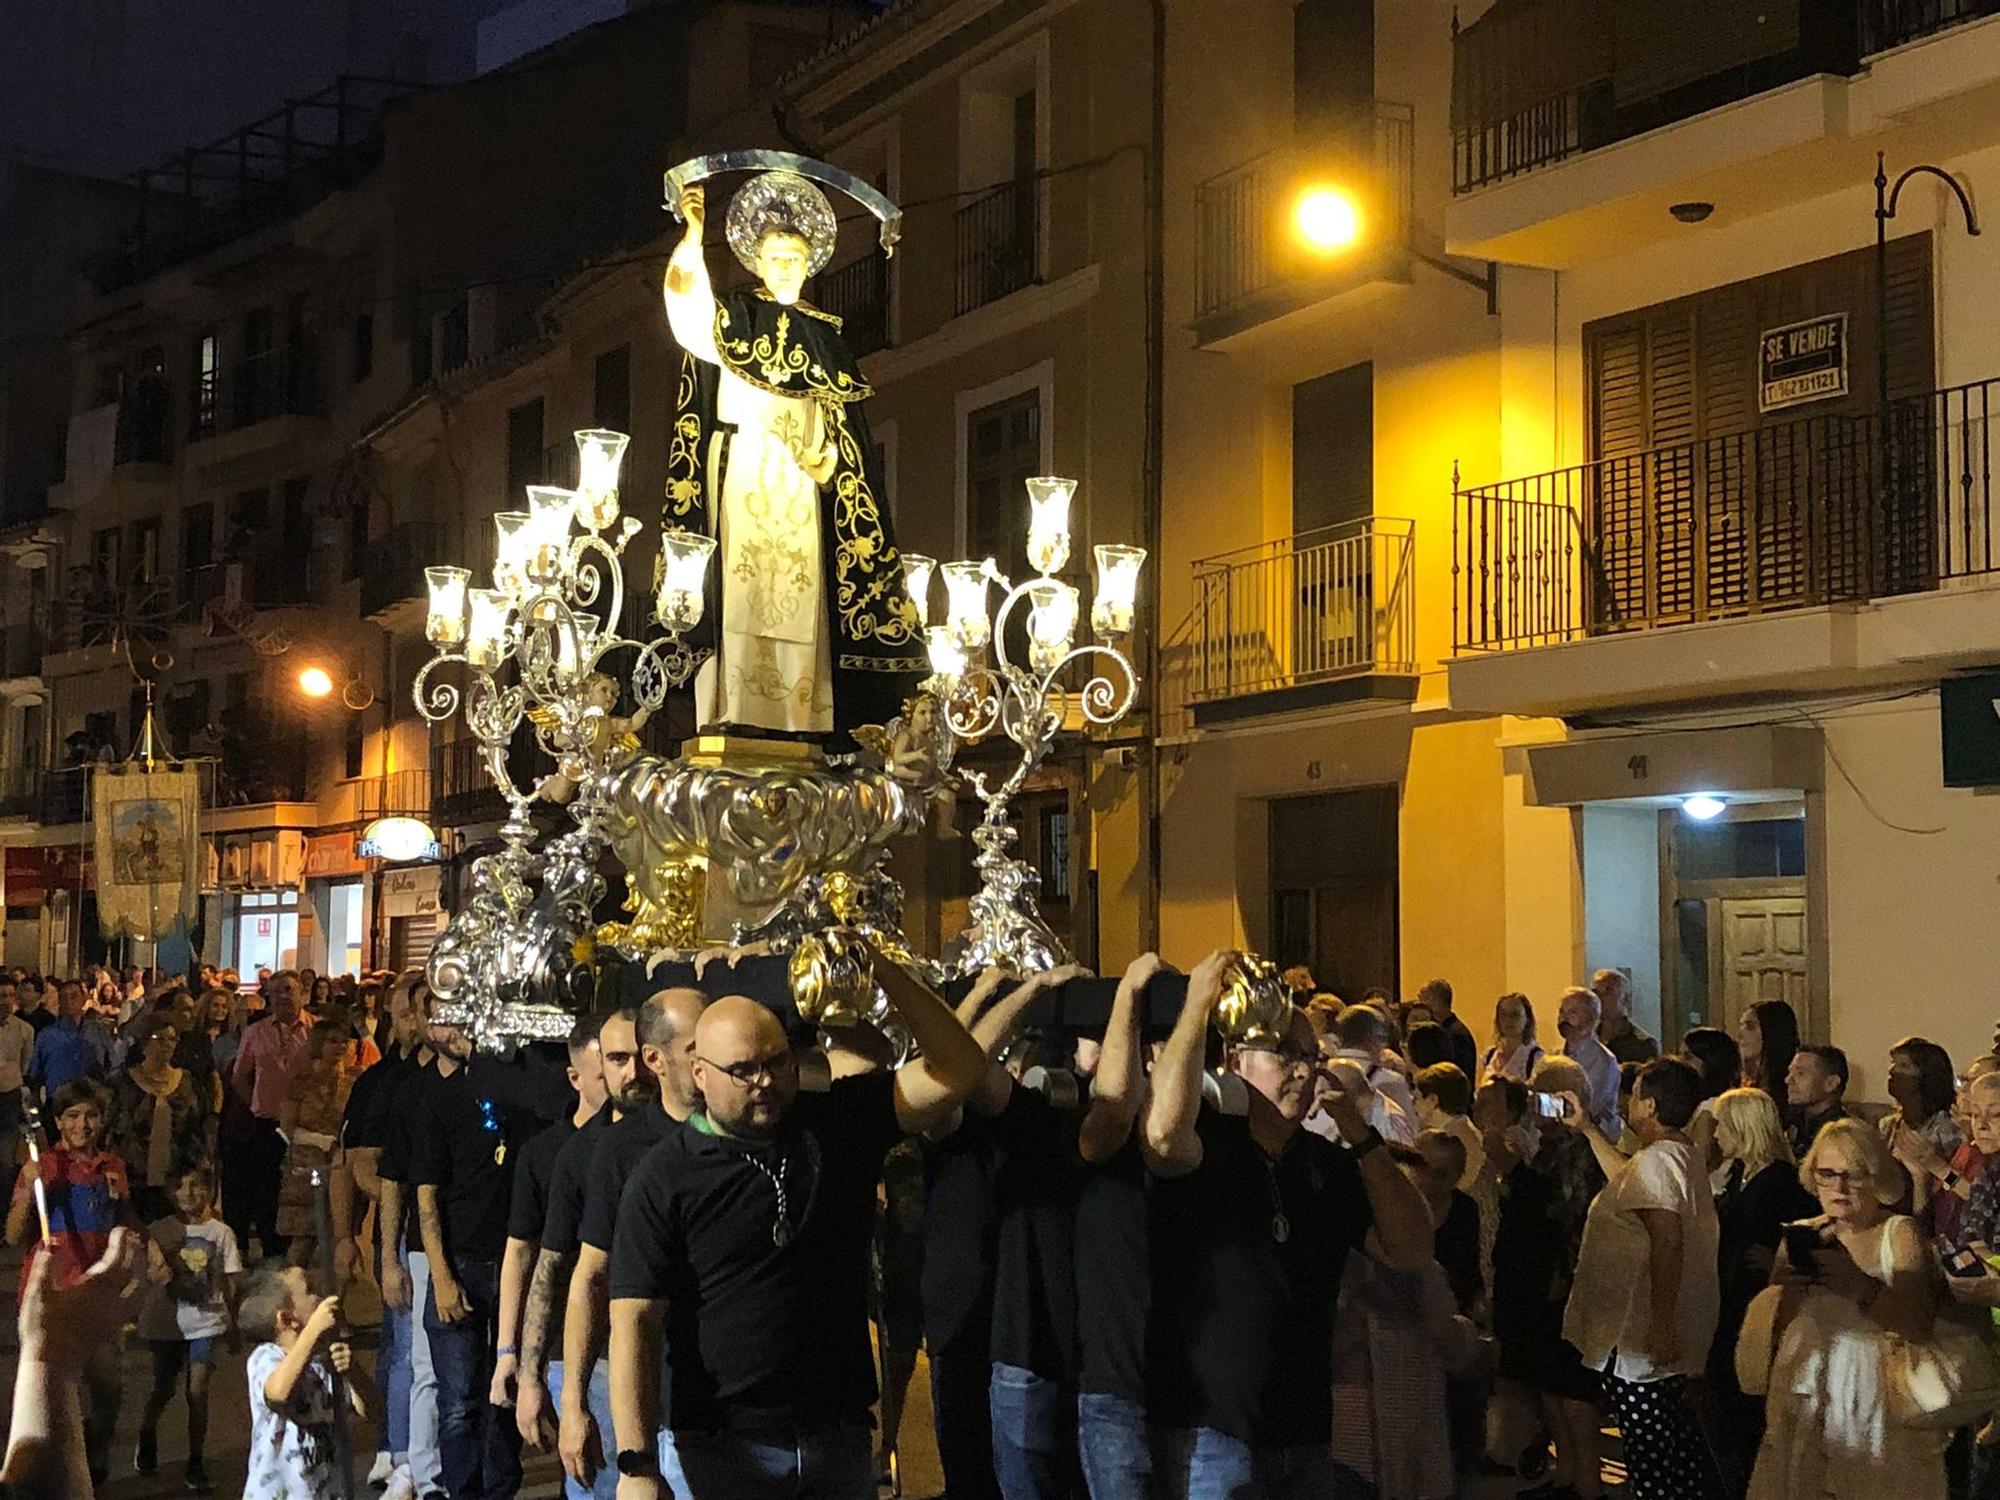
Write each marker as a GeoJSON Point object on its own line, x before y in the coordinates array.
{"type": "Point", "coordinates": [638, 1463]}
{"type": "Point", "coordinates": [1368, 1143]}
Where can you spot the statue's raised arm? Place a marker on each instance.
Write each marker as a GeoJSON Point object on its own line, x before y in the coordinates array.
{"type": "Point", "coordinates": [770, 453]}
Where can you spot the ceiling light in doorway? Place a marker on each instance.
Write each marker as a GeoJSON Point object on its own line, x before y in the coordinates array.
{"type": "Point", "coordinates": [1692, 213]}
{"type": "Point", "coordinates": [1704, 807]}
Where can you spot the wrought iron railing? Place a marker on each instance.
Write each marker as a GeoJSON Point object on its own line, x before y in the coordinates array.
{"type": "Point", "coordinates": [20, 788]}
{"type": "Point", "coordinates": [1813, 511]}
{"type": "Point", "coordinates": [62, 796]}
{"type": "Point", "coordinates": [1534, 83]}
{"type": "Point", "coordinates": [392, 565]}
{"type": "Point", "coordinates": [1244, 246]}
{"type": "Point", "coordinates": [396, 794]}
{"type": "Point", "coordinates": [273, 383]}
{"type": "Point", "coordinates": [462, 792]}
{"type": "Point", "coordinates": [1336, 602]}
{"type": "Point", "coordinates": [1890, 23]}
{"type": "Point", "coordinates": [858, 294]}
{"type": "Point", "coordinates": [995, 239]}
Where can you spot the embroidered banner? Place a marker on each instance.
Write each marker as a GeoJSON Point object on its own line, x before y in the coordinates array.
{"type": "Point", "coordinates": [148, 870]}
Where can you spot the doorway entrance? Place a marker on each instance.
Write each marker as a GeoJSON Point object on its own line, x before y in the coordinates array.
{"type": "Point", "coordinates": [1735, 912]}
{"type": "Point", "coordinates": [1333, 888]}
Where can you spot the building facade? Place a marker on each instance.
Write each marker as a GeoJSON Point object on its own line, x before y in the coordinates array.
{"type": "Point", "coordinates": [1669, 486]}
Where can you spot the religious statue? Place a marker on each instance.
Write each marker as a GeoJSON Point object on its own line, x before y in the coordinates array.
{"type": "Point", "coordinates": [769, 453]}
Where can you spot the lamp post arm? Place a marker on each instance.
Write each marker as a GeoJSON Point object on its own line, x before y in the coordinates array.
{"type": "Point", "coordinates": [1950, 181]}
{"type": "Point", "coordinates": [1488, 283]}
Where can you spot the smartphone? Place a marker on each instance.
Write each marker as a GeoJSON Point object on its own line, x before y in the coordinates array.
{"type": "Point", "coordinates": [1963, 1263]}
{"type": "Point", "coordinates": [1801, 1240]}
{"type": "Point", "coordinates": [1551, 1106]}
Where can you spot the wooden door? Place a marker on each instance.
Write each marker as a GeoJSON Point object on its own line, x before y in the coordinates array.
{"type": "Point", "coordinates": [1760, 948]}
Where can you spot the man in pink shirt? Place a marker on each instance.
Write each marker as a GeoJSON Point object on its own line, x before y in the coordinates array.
{"type": "Point", "coordinates": [265, 1064]}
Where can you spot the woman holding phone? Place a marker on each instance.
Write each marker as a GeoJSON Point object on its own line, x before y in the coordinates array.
{"type": "Point", "coordinates": [1856, 1278]}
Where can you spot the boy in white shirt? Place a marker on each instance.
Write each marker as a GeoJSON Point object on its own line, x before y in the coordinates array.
{"type": "Point", "coordinates": [291, 1387]}
{"type": "Point", "coordinates": [193, 1262]}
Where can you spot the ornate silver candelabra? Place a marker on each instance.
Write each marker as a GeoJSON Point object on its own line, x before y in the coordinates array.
{"type": "Point", "coordinates": [1029, 704]}
{"type": "Point", "coordinates": [533, 648]}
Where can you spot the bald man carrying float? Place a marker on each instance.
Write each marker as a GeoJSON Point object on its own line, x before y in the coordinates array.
{"type": "Point", "coordinates": [741, 1255]}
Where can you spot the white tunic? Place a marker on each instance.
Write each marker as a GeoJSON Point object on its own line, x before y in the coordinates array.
{"type": "Point", "coordinates": [773, 667]}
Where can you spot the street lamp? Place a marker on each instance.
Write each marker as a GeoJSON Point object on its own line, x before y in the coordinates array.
{"type": "Point", "coordinates": [1327, 219]}
{"type": "Point", "coordinates": [1886, 196]}
{"type": "Point", "coordinates": [314, 682]}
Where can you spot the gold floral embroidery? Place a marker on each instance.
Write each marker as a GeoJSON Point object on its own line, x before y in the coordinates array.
{"type": "Point", "coordinates": [779, 369]}
{"type": "Point", "coordinates": [684, 462]}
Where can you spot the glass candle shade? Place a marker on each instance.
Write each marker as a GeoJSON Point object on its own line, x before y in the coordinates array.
{"type": "Point", "coordinates": [574, 648]}
{"type": "Point", "coordinates": [684, 559]}
{"type": "Point", "coordinates": [1048, 522]}
{"type": "Point", "coordinates": [918, 571]}
{"type": "Point", "coordinates": [1117, 588]}
{"type": "Point", "coordinates": [486, 638]}
{"type": "Point", "coordinates": [947, 659]}
{"type": "Point", "coordinates": [510, 559]}
{"type": "Point", "coordinates": [444, 625]}
{"type": "Point", "coordinates": [965, 605]}
{"type": "Point", "coordinates": [599, 454]}
{"type": "Point", "coordinates": [549, 511]}
{"type": "Point", "coordinates": [1051, 623]}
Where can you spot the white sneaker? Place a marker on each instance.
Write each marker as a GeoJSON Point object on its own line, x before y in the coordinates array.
{"type": "Point", "coordinates": [402, 1484]}
{"type": "Point", "coordinates": [384, 1466]}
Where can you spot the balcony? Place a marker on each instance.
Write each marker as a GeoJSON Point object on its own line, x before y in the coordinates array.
{"type": "Point", "coordinates": [273, 383]}
{"type": "Point", "coordinates": [1249, 266]}
{"type": "Point", "coordinates": [1326, 616]}
{"type": "Point", "coordinates": [462, 792]}
{"type": "Point", "coordinates": [62, 796]}
{"type": "Point", "coordinates": [996, 240]}
{"type": "Point", "coordinates": [858, 294]}
{"type": "Point", "coordinates": [1576, 125]}
{"type": "Point", "coordinates": [392, 568]}
{"type": "Point", "coordinates": [20, 788]}
{"type": "Point", "coordinates": [398, 794]}
{"type": "Point", "coordinates": [1811, 521]}
{"type": "Point", "coordinates": [21, 648]}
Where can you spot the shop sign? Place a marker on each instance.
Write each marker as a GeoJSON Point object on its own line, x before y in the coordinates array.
{"type": "Point", "coordinates": [410, 893]}
{"type": "Point", "coordinates": [1802, 362]}
{"type": "Point", "coordinates": [1969, 714]}
{"type": "Point", "coordinates": [333, 854]}
{"type": "Point", "coordinates": [34, 873]}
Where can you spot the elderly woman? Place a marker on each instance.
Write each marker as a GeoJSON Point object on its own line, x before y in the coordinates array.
{"type": "Point", "coordinates": [1643, 1308]}
{"type": "Point", "coordinates": [1758, 1193]}
{"type": "Point", "coordinates": [157, 1118]}
{"type": "Point", "coordinates": [1829, 1430]}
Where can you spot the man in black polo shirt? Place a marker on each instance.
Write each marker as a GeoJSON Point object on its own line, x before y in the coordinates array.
{"type": "Point", "coordinates": [666, 1034]}
{"type": "Point", "coordinates": [628, 1083]}
{"type": "Point", "coordinates": [1046, 1145]}
{"type": "Point", "coordinates": [742, 1255]}
{"type": "Point", "coordinates": [1256, 1220]}
{"type": "Point", "coordinates": [1436, 997]}
{"type": "Point", "coordinates": [533, 1179]}
{"type": "Point", "coordinates": [476, 1116]}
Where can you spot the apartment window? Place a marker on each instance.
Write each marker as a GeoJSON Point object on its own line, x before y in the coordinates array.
{"type": "Point", "coordinates": [197, 536]}
{"type": "Point", "coordinates": [1333, 448]}
{"type": "Point", "coordinates": [145, 550]}
{"type": "Point", "coordinates": [1054, 843]}
{"type": "Point", "coordinates": [104, 557]}
{"type": "Point", "coordinates": [611, 394]}
{"type": "Point", "coordinates": [351, 747]}
{"type": "Point", "coordinates": [248, 514]}
{"type": "Point", "coordinates": [201, 403]}
{"type": "Point", "coordinates": [1003, 450]}
{"type": "Point", "coordinates": [996, 227]}
{"type": "Point", "coordinates": [1333, 61]}
{"type": "Point", "coordinates": [364, 346]}
{"type": "Point", "coordinates": [524, 449]}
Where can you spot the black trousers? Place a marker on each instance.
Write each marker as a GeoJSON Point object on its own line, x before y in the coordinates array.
{"type": "Point", "coordinates": [961, 1409]}
{"type": "Point", "coordinates": [250, 1191]}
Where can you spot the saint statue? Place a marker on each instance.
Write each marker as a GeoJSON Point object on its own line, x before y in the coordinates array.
{"type": "Point", "coordinates": [770, 454]}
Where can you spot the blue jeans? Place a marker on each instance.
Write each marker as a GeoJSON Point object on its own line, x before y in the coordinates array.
{"type": "Point", "coordinates": [828, 1463]}
{"type": "Point", "coordinates": [393, 1375]}
{"type": "Point", "coordinates": [1117, 1450]}
{"type": "Point", "coordinates": [1200, 1463]}
{"type": "Point", "coordinates": [1034, 1434]}
{"type": "Point", "coordinates": [478, 1441]}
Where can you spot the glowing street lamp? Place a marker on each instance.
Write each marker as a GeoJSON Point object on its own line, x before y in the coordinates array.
{"type": "Point", "coordinates": [314, 682]}
{"type": "Point", "coordinates": [1326, 219]}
